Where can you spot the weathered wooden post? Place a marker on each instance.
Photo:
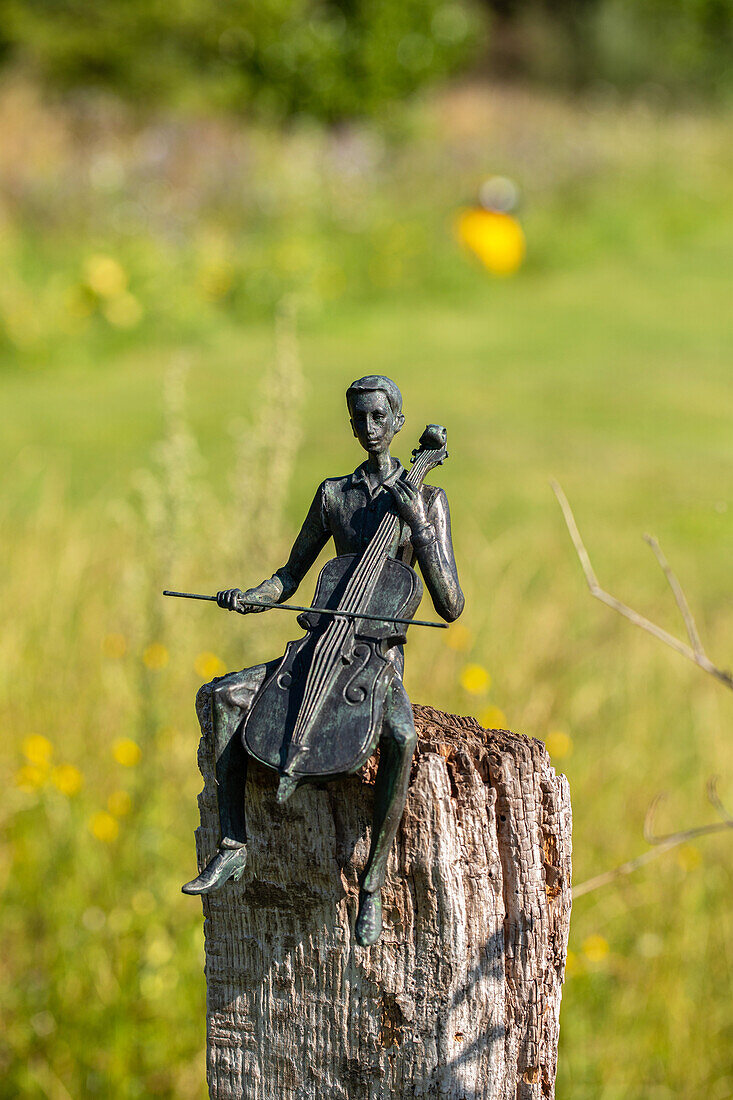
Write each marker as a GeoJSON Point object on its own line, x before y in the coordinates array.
{"type": "Point", "coordinates": [460, 998]}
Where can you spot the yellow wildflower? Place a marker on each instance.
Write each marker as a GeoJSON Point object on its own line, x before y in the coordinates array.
{"type": "Point", "coordinates": [67, 779]}
{"type": "Point", "coordinates": [119, 803]}
{"type": "Point", "coordinates": [38, 749]}
{"type": "Point", "coordinates": [104, 827]}
{"type": "Point", "coordinates": [459, 638]}
{"type": "Point", "coordinates": [124, 312]}
{"type": "Point", "coordinates": [126, 752]}
{"type": "Point", "coordinates": [688, 857]}
{"type": "Point", "coordinates": [159, 949]}
{"type": "Point", "coordinates": [493, 718]}
{"type": "Point", "coordinates": [114, 646]}
{"type": "Point", "coordinates": [105, 276]}
{"type": "Point", "coordinates": [155, 656]}
{"type": "Point", "coordinates": [573, 965]}
{"type": "Point", "coordinates": [475, 679]}
{"type": "Point", "coordinates": [208, 666]}
{"type": "Point", "coordinates": [143, 902]}
{"type": "Point", "coordinates": [558, 744]}
{"type": "Point", "coordinates": [595, 948]}
{"type": "Point", "coordinates": [496, 238]}
{"type": "Point", "coordinates": [215, 278]}
{"type": "Point", "coordinates": [30, 777]}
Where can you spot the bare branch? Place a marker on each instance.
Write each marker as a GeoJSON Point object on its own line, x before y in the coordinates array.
{"type": "Point", "coordinates": [679, 596]}
{"type": "Point", "coordinates": [714, 799]}
{"type": "Point", "coordinates": [660, 844]}
{"type": "Point", "coordinates": [696, 655]}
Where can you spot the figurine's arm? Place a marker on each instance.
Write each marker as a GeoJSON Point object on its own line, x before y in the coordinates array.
{"type": "Point", "coordinates": [313, 536]}
{"type": "Point", "coordinates": [433, 548]}
{"type": "Point", "coordinates": [433, 545]}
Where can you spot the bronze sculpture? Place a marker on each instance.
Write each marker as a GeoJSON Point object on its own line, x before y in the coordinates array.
{"type": "Point", "coordinates": [319, 711]}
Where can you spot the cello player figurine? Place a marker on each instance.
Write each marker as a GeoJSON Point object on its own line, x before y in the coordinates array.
{"type": "Point", "coordinates": [356, 510]}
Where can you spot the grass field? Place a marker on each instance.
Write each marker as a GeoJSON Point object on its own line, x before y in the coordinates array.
{"type": "Point", "coordinates": [131, 455]}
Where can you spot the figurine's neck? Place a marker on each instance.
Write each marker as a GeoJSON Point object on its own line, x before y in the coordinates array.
{"type": "Point", "coordinates": [379, 465]}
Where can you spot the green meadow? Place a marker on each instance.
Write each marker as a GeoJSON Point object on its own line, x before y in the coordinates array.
{"type": "Point", "coordinates": [166, 418]}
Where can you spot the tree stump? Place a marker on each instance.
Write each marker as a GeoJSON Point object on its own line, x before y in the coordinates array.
{"type": "Point", "coordinates": [460, 998]}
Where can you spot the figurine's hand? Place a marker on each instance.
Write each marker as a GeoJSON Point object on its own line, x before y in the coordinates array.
{"type": "Point", "coordinates": [230, 599]}
{"type": "Point", "coordinates": [410, 503]}
{"type": "Point", "coordinates": [246, 603]}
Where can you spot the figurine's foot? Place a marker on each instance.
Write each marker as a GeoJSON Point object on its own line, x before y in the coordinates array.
{"type": "Point", "coordinates": [369, 920]}
{"type": "Point", "coordinates": [286, 787]}
{"type": "Point", "coordinates": [228, 863]}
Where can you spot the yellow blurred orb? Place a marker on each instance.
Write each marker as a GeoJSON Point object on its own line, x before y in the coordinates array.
{"type": "Point", "coordinates": [104, 827]}
{"type": "Point", "coordinates": [114, 646]}
{"type": "Point", "coordinates": [493, 718]}
{"type": "Point", "coordinates": [155, 656]}
{"type": "Point", "coordinates": [559, 744]}
{"type": "Point", "coordinates": [124, 311]}
{"type": "Point", "coordinates": [67, 779]}
{"type": "Point", "coordinates": [688, 857]}
{"type": "Point", "coordinates": [497, 239]}
{"type": "Point", "coordinates": [595, 948]}
{"type": "Point", "coordinates": [215, 278]}
{"type": "Point", "coordinates": [208, 665]}
{"type": "Point", "coordinates": [30, 778]}
{"type": "Point", "coordinates": [475, 679]}
{"type": "Point", "coordinates": [573, 965]}
{"type": "Point", "coordinates": [37, 748]}
{"type": "Point", "coordinates": [127, 752]}
{"type": "Point", "coordinates": [105, 276]}
{"type": "Point", "coordinates": [459, 638]}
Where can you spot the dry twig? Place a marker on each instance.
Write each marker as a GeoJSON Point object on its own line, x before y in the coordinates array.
{"type": "Point", "coordinates": [660, 844]}
{"type": "Point", "coordinates": [694, 652]}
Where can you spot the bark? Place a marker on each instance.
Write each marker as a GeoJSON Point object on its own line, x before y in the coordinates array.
{"type": "Point", "coordinates": [460, 999]}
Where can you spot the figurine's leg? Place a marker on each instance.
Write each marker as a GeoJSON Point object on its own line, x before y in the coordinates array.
{"type": "Point", "coordinates": [231, 699]}
{"type": "Point", "coordinates": [396, 748]}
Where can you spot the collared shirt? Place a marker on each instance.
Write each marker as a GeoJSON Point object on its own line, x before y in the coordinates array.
{"type": "Point", "coordinates": [350, 510]}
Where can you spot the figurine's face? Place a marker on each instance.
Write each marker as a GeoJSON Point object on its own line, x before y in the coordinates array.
{"type": "Point", "coordinates": [373, 422]}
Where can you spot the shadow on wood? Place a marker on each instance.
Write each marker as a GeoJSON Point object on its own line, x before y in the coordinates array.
{"type": "Point", "coordinates": [460, 998]}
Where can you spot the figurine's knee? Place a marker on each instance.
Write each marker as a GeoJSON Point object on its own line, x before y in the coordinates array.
{"type": "Point", "coordinates": [399, 725]}
{"type": "Point", "coordinates": [232, 695]}
{"type": "Point", "coordinates": [222, 695]}
{"type": "Point", "coordinates": [405, 737]}
{"type": "Point", "coordinates": [400, 729]}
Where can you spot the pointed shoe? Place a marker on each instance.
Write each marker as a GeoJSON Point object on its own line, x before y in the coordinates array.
{"type": "Point", "coordinates": [369, 920]}
{"type": "Point", "coordinates": [228, 863]}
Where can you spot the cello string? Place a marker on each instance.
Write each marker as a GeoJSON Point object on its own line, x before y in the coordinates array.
{"type": "Point", "coordinates": [331, 642]}
{"type": "Point", "coordinates": [364, 577]}
{"type": "Point", "coordinates": [325, 650]}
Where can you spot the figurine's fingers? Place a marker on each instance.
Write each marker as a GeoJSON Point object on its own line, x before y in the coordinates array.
{"type": "Point", "coordinates": [234, 595]}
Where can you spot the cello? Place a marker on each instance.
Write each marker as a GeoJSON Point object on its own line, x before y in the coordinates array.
{"type": "Point", "coordinates": [318, 714]}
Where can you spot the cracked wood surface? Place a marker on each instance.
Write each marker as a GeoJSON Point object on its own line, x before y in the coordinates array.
{"type": "Point", "coordinates": [460, 999]}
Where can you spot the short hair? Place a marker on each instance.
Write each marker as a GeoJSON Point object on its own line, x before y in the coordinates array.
{"type": "Point", "coordinates": [372, 382]}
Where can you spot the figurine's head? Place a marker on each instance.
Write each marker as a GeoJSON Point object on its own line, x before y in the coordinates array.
{"type": "Point", "coordinates": [375, 411]}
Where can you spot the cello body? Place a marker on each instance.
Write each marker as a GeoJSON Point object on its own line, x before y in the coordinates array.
{"type": "Point", "coordinates": [346, 713]}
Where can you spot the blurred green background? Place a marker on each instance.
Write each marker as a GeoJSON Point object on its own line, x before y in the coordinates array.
{"type": "Point", "coordinates": [212, 219]}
